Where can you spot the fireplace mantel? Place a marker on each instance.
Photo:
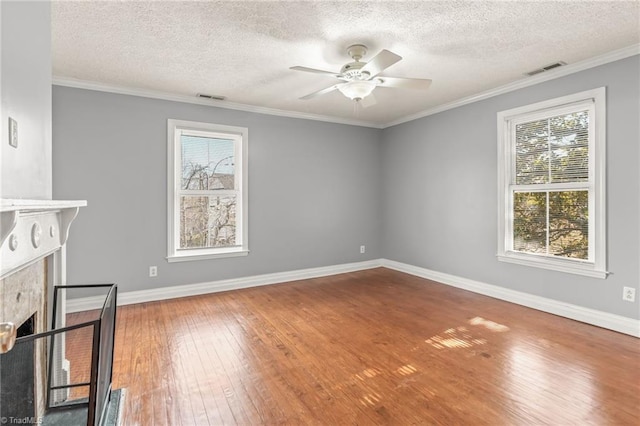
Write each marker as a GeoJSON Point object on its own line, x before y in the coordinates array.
{"type": "Point", "coordinates": [33, 229]}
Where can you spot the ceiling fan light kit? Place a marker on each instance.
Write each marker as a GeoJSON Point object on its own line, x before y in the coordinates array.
{"type": "Point", "coordinates": [357, 90]}
{"type": "Point", "coordinates": [359, 78]}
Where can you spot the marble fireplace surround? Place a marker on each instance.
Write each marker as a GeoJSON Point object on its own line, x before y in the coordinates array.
{"type": "Point", "coordinates": [33, 234]}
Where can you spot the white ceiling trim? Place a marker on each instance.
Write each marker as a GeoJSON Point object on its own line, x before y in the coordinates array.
{"type": "Point", "coordinates": [612, 56]}
{"type": "Point", "coordinates": [155, 94]}
{"type": "Point", "coordinates": [526, 82]}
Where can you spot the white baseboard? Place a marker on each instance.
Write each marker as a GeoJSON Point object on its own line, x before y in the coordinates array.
{"type": "Point", "coordinates": [590, 316]}
{"type": "Point", "coordinates": [164, 293]}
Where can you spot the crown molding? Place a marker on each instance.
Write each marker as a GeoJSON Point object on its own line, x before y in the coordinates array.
{"type": "Point", "coordinates": [612, 56]}
{"type": "Point", "coordinates": [166, 96]}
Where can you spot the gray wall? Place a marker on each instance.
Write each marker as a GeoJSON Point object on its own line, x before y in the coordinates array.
{"type": "Point", "coordinates": [422, 193]}
{"type": "Point", "coordinates": [25, 91]}
{"type": "Point", "coordinates": [440, 192]}
{"type": "Point", "coordinates": [313, 190]}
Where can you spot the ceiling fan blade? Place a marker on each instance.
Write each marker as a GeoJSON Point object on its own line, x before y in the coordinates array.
{"type": "Point", "coordinates": [315, 71]}
{"type": "Point", "coordinates": [405, 83]}
{"type": "Point", "coordinates": [322, 91]}
{"type": "Point", "coordinates": [380, 62]}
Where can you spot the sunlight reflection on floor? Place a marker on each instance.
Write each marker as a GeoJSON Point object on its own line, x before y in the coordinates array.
{"type": "Point", "coordinates": [370, 399]}
{"type": "Point", "coordinates": [454, 338]}
{"type": "Point", "coordinates": [367, 373]}
{"type": "Point", "coordinates": [406, 370]}
{"type": "Point", "coordinates": [489, 325]}
{"type": "Point", "coordinates": [462, 337]}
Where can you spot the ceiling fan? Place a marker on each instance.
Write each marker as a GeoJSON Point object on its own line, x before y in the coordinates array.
{"type": "Point", "coordinates": [360, 78]}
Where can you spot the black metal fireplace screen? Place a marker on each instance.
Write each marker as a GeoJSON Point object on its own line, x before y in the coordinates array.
{"type": "Point", "coordinates": [80, 356]}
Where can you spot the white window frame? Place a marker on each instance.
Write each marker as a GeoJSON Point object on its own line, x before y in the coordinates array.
{"type": "Point", "coordinates": [240, 136]}
{"type": "Point", "coordinates": [595, 101]}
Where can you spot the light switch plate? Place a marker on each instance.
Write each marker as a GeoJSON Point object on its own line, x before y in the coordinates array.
{"type": "Point", "coordinates": [13, 132]}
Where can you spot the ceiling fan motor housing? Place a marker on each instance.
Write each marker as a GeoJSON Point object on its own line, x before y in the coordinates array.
{"type": "Point", "coordinates": [351, 71]}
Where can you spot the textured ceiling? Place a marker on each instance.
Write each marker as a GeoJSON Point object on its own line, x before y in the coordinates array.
{"type": "Point", "coordinates": [243, 50]}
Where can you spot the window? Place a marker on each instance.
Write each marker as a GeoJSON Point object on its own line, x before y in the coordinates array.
{"type": "Point", "coordinates": [551, 211]}
{"type": "Point", "coordinates": [207, 190]}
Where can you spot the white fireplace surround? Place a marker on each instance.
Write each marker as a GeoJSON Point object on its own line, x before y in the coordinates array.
{"type": "Point", "coordinates": [31, 230]}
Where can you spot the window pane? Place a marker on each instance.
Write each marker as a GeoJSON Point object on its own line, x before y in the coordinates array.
{"type": "Point", "coordinates": [569, 224]}
{"type": "Point", "coordinates": [568, 219]}
{"type": "Point", "coordinates": [569, 140]}
{"type": "Point", "coordinates": [207, 222]}
{"type": "Point", "coordinates": [532, 153]}
{"type": "Point", "coordinates": [207, 163]}
{"type": "Point", "coordinates": [530, 222]}
{"type": "Point", "coordinates": [553, 150]}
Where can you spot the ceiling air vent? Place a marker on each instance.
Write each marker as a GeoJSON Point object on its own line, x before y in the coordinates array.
{"type": "Point", "coordinates": [212, 97]}
{"type": "Point", "coordinates": [546, 68]}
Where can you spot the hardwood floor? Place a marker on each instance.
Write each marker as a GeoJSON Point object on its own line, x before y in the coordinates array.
{"type": "Point", "coordinates": [370, 347]}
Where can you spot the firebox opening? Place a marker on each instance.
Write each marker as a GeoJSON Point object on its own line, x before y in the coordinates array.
{"type": "Point", "coordinates": [17, 376]}
{"type": "Point", "coordinates": [27, 327]}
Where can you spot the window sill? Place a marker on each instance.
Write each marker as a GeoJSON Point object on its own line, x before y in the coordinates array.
{"type": "Point", "coordinates": [189, 256]}
{"type": "Point", "coordinates": [570, 267]}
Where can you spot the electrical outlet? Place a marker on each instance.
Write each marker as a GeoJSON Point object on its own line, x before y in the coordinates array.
{"type": "Point", "coordinates": [362, 249]}
{"type": "Point", "coordinates": [629, 294]}
{"type": "Point", "coordinates": [153, 271]}
{"type": "Point", "coordinates": [13, 132]}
